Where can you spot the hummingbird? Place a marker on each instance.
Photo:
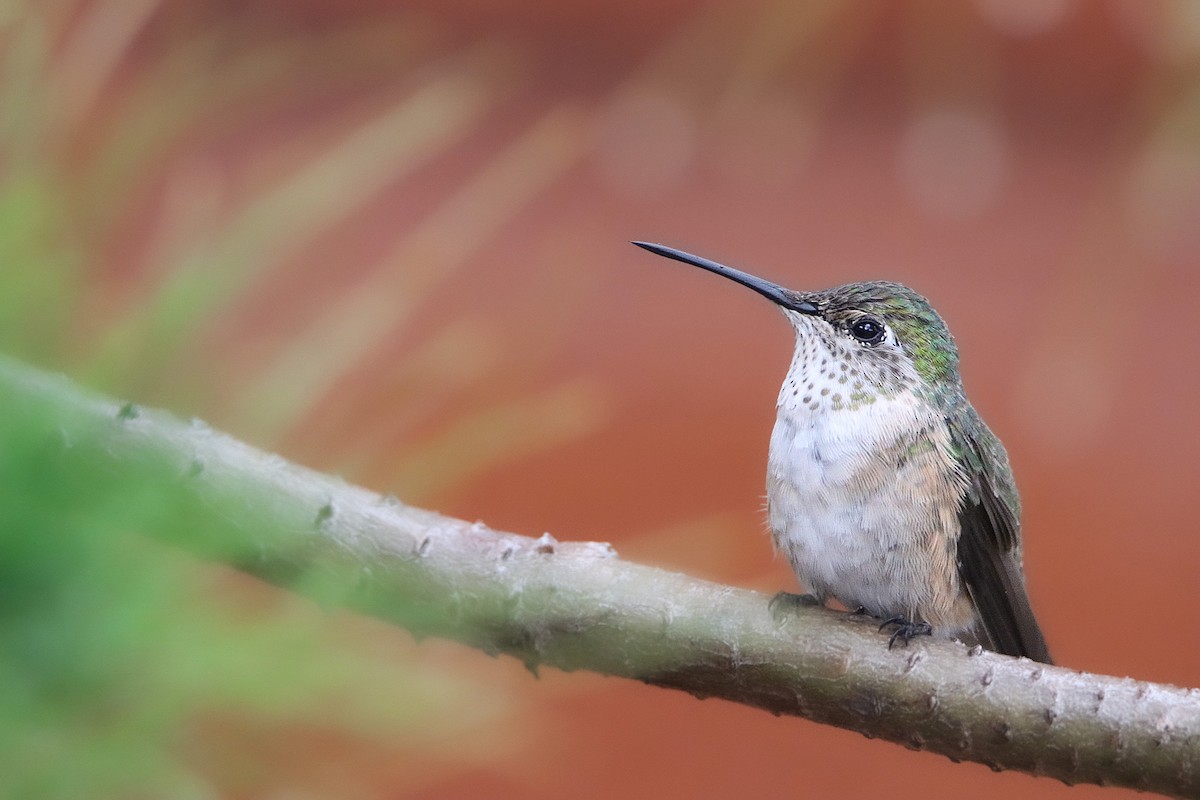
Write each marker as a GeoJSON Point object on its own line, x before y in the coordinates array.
{"type": "Point", "coordinates": [885, 489]}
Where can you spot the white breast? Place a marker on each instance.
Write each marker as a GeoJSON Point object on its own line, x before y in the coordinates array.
{"type": "Point", "coordinates": [860, 498]}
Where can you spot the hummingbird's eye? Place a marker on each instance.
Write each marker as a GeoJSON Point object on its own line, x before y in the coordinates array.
{"type": "Point", "coordinates": [868, 330]}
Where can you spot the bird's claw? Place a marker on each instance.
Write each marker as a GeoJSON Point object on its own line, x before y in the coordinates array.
{"type": "Point", "coordinates": [905, 630]}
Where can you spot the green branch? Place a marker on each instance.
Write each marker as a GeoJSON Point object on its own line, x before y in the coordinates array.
{"type": "Point", "coordinates": [578, 606]}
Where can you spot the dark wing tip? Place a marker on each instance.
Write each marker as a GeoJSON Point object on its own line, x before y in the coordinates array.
{"type": "Point", "coordinates": [989, 551]}
{"type": "Point", "coordinates": [992, 576]}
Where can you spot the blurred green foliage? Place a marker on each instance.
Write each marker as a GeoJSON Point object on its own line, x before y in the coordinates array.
{"type": "Point", "coordinates": [116, 650]}
{"type": "Point", "coordinates": [114, 647]}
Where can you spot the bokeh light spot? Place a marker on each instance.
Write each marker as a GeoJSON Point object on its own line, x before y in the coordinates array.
{"type": "Point", "coordinates": [1024, 17]}
{"type": "Point", "coordinates": [1167, 32]}
{"type": "Point", "coordinates": [1163, 198]}
{"type": "Point", "coordinates": [953, 162]}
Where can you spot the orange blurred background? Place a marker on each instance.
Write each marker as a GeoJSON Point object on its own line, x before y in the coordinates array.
{"type": "Point", "coordinates": [391, 241]}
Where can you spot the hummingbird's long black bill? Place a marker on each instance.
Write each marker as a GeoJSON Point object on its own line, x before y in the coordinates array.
{"type": "Point", "coordinates": [772, 291]}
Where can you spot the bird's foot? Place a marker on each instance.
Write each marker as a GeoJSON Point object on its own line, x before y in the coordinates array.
{"type": "Point", "coordinates": [905, 630]}
{"type": "Point", "coordinates": [784, 603]}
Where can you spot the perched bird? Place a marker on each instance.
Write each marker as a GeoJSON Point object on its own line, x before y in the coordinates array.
{"type": "Point", "coordinates": [885, 489]}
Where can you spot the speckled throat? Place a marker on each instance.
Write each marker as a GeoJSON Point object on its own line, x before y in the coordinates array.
{"type": "Point", "coordinates": [829, 374]}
